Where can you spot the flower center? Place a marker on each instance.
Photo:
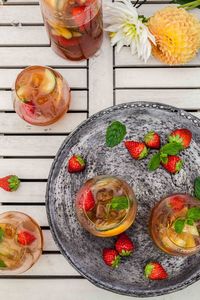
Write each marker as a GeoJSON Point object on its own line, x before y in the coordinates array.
{"type": "Point", "coordinates": [129, 30]}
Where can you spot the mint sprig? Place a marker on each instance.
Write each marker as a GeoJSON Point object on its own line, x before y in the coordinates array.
{"type": "Point", "coordinates": [115, 133]}
{"type": "Point", "coordinates": [197, 188]}
{"type": "Point", "coordinates": [193, 215]}
{"type": "Point", "coordinates": [119, 203]}
{"type": "Point", "coordinates": [2, 264]}
{"type": "Point", "coordinates": [171, 148]}
{"type": "Point", "coordinates": [1, 234]}
{"type": "Point", "coordinates": [154, 162]}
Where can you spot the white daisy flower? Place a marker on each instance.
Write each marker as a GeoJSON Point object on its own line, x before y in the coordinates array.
{"type": "Point", "coordinates": [127, 28]}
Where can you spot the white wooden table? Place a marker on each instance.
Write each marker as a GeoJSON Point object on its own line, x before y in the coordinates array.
{"type": "Point", "coordinates": [28, 151]}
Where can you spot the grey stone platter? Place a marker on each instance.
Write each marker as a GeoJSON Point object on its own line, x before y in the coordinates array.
{"type": "Point", "coordinates": [83, 250]}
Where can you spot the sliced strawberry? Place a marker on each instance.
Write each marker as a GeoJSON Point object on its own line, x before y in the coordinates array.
{"type": "Point", "coordinates": [87, 201]}
{"type": "Point", "coordinates": [111, 257]}
{"type": "Point", "coordinates": [176, 203]}
{"type": "Point", "coordinates": [155, 271]}
{"type": "Point", "coordinates": [29, 108]}
{"type": "Point", "coordinates": [68, 42]}
{"type": "Point", "coordinates": [25, 238]}
{"type": "Point", "coordinates": [79, 15]}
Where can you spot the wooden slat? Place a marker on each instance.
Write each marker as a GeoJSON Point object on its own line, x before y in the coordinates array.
{"type": "Point", "coordinates": [49, 244]}
{"type": "Point", "coordinates": [77, 78]}
{"type": "Point", "coordinates": [101, 79]}
{"type": "Point", "coordinates": [76, 289]}
{"type": "Point", "coordinates": [12, 123]}
{"type": "Point", "coordinates": [29, 146]}
{"type": "Point", "coordinates": [23, 35]}
{"type": "Point", "coordinates": [186, 99]}
{"type": "Point", "coordinates": [78, 101]}
{"type": "Point", "coordinates": [28, 192]}
{"type": "Point", "coordinates": [20, 14]}
{"type": "Point", "coordinates": [52, 264]}
{"type": "Point", "coordinates": [168, 77]}
{"type": "Point", "coordinates": [24, 56]}
{"type": "Point", "coordinates": [26, 168]}
{"type": "Point", "coordinates": [124, 58]}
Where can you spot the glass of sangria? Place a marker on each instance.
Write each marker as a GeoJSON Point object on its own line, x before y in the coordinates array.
{"type": "Point", "coordinates": [74, 26]}
{"type": "Point", "coordinates": [41, 95]}
{"type": "Point", "coordinates": [21, 242]}
{"type": "Point", "coordinates": [175, 225]}
{"type": "Point", "coordinates": [106, 206]}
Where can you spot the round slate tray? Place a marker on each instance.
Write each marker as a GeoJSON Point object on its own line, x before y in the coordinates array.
{"type": "Point", "coordinates": [83, 250]}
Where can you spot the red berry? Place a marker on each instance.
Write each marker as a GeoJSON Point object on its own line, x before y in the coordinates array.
{"type": "Point", "coordinates": [76, 164]}
{"type": "Point", "coordinates": [176, 203]}
{"type": "Point", "coordinates": [87, 201]}
{"type": "Point", "coordinates": [182, 136]}
{"type": "Point", "coordinates": [10, 183]}
{"type": "Point", "coordinates": [29, 108]}
{"type": "Point", "coordinates": [79, 15]}
{"type": "Point", "coordinates": [111, 257]}
{"type": "Point", "coordinates": [174, 164]}
{"type": "Point", "coordinates": [25, 238]}
{"type": "Point", "coordinates": [155, 271]}
{"type": "Point", "coordinates": [152, 140]}
{"type": "Point", "coordinates": [137, 150]}
{"type": "Point", "coordinates": [68, 42]}
{"type": "Point", "coordinates": [124, 245]}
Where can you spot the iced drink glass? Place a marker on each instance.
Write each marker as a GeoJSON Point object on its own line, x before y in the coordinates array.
{"type": "Point", "coordinates": [175, 225]}
{"type": "Point", "coordinates": [106, 206]}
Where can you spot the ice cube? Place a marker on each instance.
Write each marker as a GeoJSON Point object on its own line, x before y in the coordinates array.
{"type": "Point", "coordinates": [104, 195]}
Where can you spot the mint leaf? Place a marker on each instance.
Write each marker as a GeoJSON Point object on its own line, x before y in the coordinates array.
{"type": "Point", "coordinates": [179, 225]}
{"type": "Point", "coordinates": [171, 148]}
{"type": "Point", "coordinates": [154, 162]}
{"type": "Point", "coordinates": [1, 234]}
{"type": "Point", "coordinates": [197, 188]}
{"type": "Point", "coordinates": [115, 133]}
{"type": "Point", "coordinates": [190, 222]}
{"type": "Point", "coordinates": [194, 214]}
{"type": "Point", "coordinates": [2, 264]}
{"type": "Point", "coordinates": [119, 203]}
{"type": "Point", "coordinates": [163, 158]}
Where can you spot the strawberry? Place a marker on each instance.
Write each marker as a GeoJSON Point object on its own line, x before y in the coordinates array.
{"type": "Point", "coordinates": [173, 164]}
{"type": "Point", "coordinates": [25, 238]}
{"type": "Point", "coordinates": [68, 42]}
{"type": "Point", "coordinates": [137, 150]}
{"type": "Point", "coordinates": [155, 271]}
{"type": "Point", "coordinates": [10, 183]}
{"type": "Point", "coordinates": [76, 164]}
{"type": "Point", "coordinates": [176, 203]}
{"type": "Point", "coordinates": [152, 140]}
{"type": "Point", "coordinates": [29, 108]}
{"type": "Point", "coordinates": [124, 245]}
{"type": "Point", "coordinates": [79, 15]}
{"type": "Point", "coordinates": [182, 136]}
{"type": "Point", "coordinates": [111, 257]}
{"type": "Point", "coordinates": [87, 201]}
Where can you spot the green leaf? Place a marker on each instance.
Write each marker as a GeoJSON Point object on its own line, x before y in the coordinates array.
{"type": "Point", "coordinates": [2, 264]}
{"type": "Point", "coordinates": [197, 188]}
{"type": "Point", "coordinates": [194, 214]}
{"type": "Point", "coordinates": [119, 203]}
{"type": "Point", "coordinates": [1, 234]}
{"type": "Point", "coordinates": [179, 225]}
{"type": "Point", "coordinates": [190, 222]}
{"type": "Point", "coordinates": [115, 133]}
{"type": "Point", "coordinates": [188, 4]}
{"type": "Point", "coordinates": [163, 158]}
{"type": "Point", "coordinates": [154, 162]}
{"type": "Point", "coordinates": [171, 148]}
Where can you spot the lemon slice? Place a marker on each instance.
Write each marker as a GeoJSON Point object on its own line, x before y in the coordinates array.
{"type": "Point", "coordinates": [191, 229]}
{"type": "Point", "coordinates": [21, 93]}
{"type": "Point", "coordinates": [49, 82]}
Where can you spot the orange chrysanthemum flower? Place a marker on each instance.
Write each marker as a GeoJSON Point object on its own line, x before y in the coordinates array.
{"type": "Point", "coordinates": [177, 34]}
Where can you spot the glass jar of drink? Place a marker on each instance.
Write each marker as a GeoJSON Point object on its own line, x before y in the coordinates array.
{"type": "Point", "coordinates": [41, 95]}
{"type": "Point", "coordinates": [21, 242]}
{"type": "Point", "coordinates": [175, 225]}
{"type": "Point", "coordinates": [74, 26]}
{"type": "Point", "coordinates": [106, 206]}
